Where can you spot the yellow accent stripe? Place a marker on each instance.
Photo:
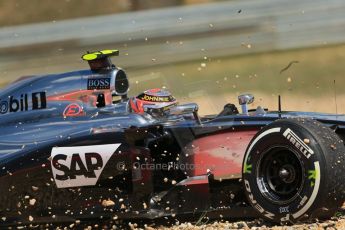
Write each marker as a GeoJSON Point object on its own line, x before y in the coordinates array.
{"type": "Point", "coordinates": [89, 57]}
{"type": "Point", "coordinates": [108, 51]}
{"type": "Point", "coordinates": [99, 54]}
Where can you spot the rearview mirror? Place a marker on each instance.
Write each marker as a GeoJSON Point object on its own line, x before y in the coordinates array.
{"type": "Point", "coordinates": [184, 109]}
{"type": "Point", "coordinates": [190, 108]}
{"type": "Point", "coordinates": [244, 100]}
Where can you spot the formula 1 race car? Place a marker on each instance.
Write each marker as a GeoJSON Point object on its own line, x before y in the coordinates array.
{"type": "Point", "coordinates": [74, 146]}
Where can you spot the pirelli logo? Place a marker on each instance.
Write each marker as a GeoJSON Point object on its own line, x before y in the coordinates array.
{"type": "Point", "coordinates": [298, 143]}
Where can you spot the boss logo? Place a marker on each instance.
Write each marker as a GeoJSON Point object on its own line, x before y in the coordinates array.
{"type": "Point", "coordinates": [80, 165]}
{"type": "Point", "coordinates": [98, 83]}
{"type": "Point", "coordinates": [12, 105]}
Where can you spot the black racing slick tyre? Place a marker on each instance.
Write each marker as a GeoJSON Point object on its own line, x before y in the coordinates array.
{"type": "Point", "coordinates": [294, 169]}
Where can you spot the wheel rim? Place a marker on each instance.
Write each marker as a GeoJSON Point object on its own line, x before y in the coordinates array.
{"type": "Point", "coordinates": [280, 175]}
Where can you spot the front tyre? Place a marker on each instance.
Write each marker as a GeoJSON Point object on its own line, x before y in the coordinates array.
{"type": "Point", "coordinates": [294, 169]}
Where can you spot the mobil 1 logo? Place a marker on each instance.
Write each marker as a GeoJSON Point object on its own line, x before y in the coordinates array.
{"type": "Point", "coordinates": [98, 83]}
{"type": "Point", "coordinates": [24, 102]}
{"type": "Point", "coordinates": [80, 165]}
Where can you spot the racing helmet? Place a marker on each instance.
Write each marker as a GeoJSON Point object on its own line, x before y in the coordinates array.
{"type": "Point", "coordinates": [153, 101]}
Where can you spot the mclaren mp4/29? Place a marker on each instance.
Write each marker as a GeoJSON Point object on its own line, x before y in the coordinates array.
{"type": "Point", "coordinates": [72, 147]}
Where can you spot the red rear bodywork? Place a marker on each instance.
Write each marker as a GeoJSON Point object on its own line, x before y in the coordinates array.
{"type": "Point", "coordinates": [221, 154]}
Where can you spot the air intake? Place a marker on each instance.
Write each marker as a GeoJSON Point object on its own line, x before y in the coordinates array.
{"type": "Point", "coordinates": [100, 60]}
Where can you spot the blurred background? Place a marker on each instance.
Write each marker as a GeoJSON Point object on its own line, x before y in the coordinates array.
{"type": "Point", "coordinates": [205, 51]}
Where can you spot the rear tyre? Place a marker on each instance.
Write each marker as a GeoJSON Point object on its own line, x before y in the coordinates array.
{"type": "Point", "coordinates": [294, 169]}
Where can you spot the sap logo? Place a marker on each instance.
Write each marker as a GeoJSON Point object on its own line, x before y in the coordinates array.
{"type": "Point", "coordinates": [80, 165]}
{"type": "Point", "coordinates": [77, 168]}
{"type": "Point", "coordinates": [12, 105]}
{"type": "Point", "coordinates": [98, 83]}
